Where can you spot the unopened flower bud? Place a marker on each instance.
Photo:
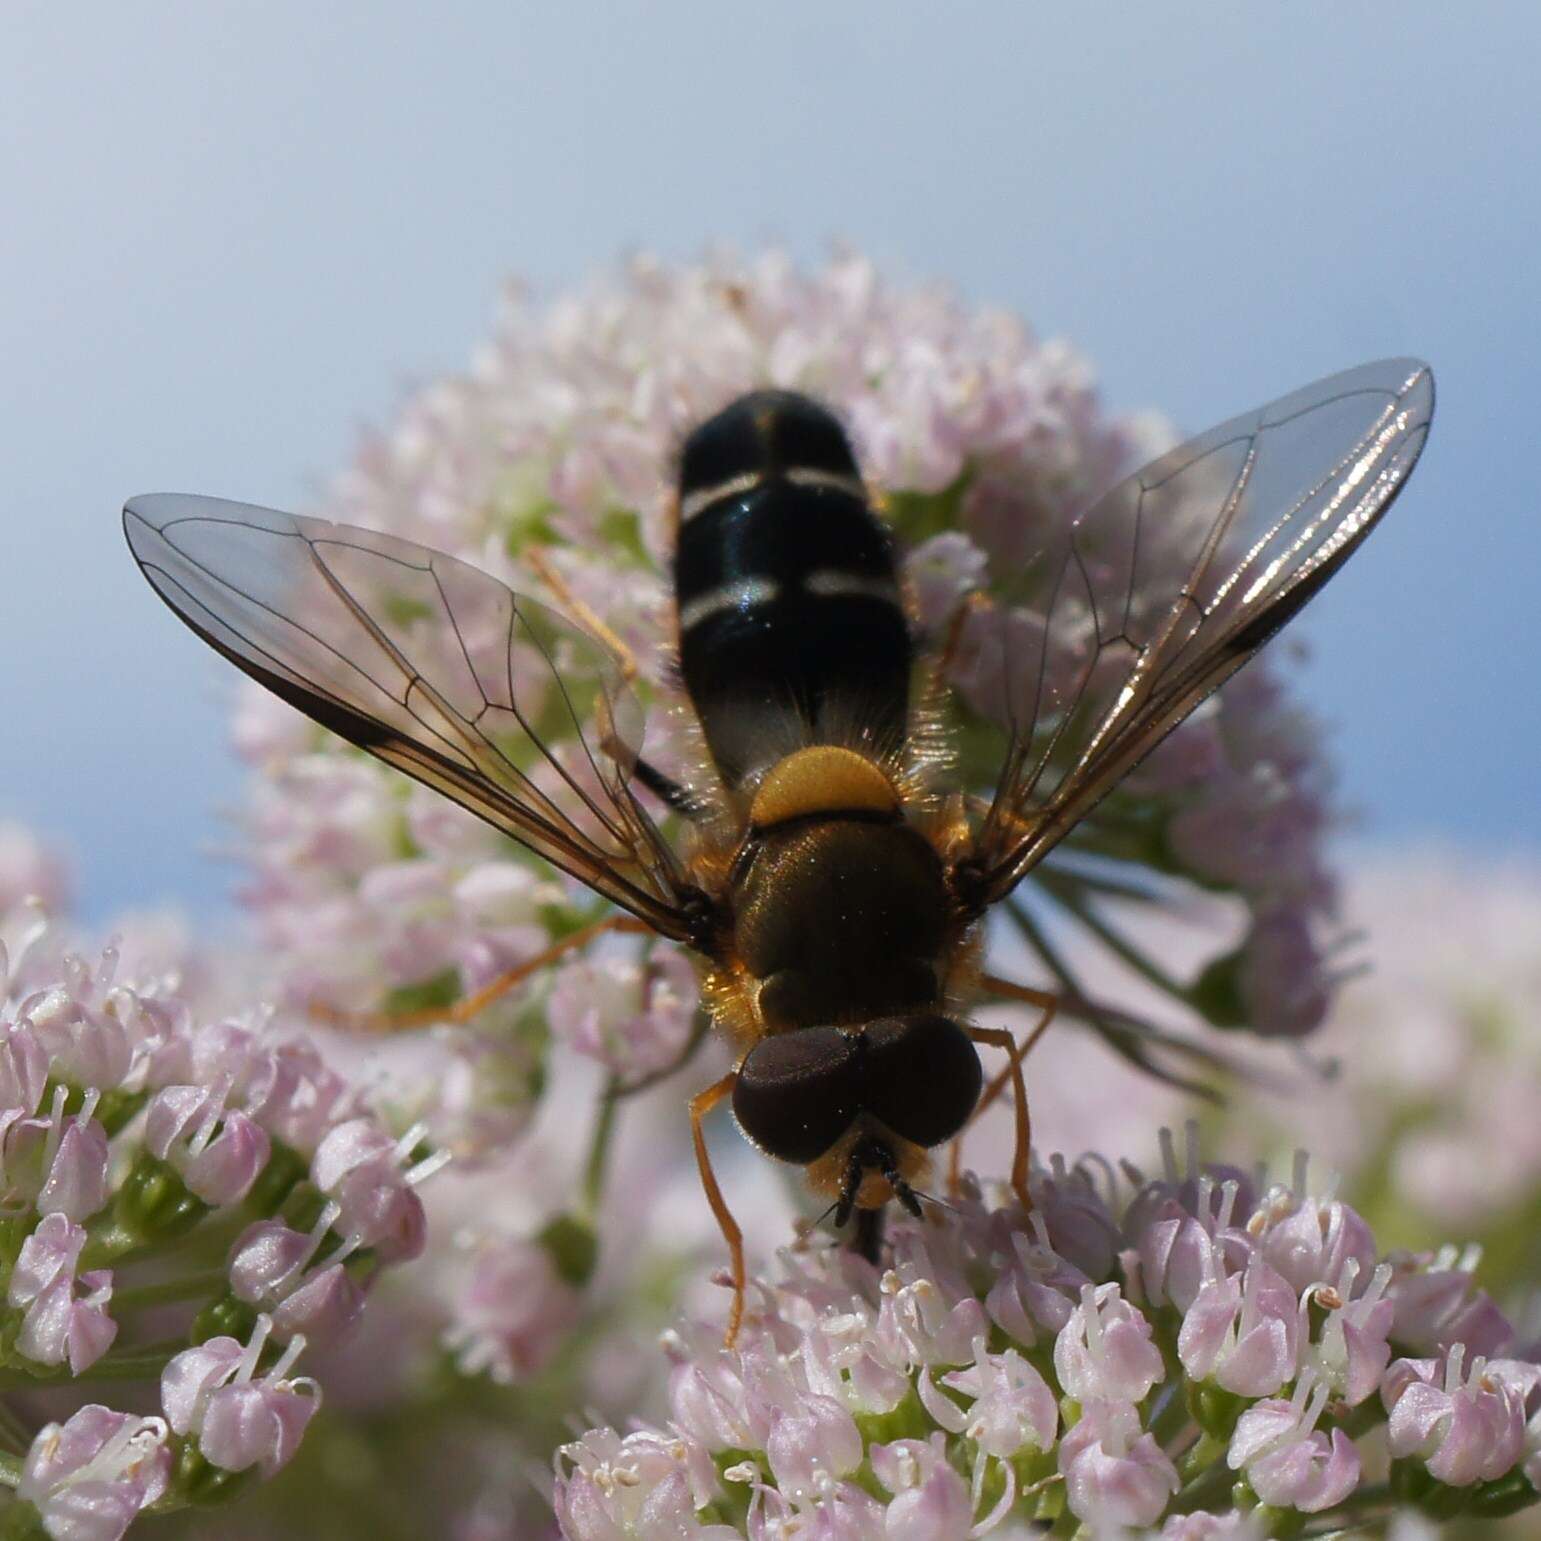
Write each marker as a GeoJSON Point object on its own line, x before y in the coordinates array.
{"type": "Point", "coordinates": [213, 1393]}
{"type": "Point", "coordinates": [59, 1325]}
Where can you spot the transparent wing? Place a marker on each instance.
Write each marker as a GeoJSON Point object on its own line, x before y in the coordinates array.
{"type": "Point", "coordinates": [432, 666]}
{"type": "Point", "coordinates": [1171, 582]}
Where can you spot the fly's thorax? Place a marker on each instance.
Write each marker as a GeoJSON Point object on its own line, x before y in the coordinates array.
{"type": "Point", "coordinates": [791, 622]}
{"type": "Point", "coordinates": [841, 919]}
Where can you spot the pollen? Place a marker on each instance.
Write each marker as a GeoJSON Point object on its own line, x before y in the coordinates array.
{"type": "Point", "coordinates": [823, 779]}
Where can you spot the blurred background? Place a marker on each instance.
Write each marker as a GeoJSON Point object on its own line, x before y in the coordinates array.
{"type": "Point", "coordinates": [230, 237]}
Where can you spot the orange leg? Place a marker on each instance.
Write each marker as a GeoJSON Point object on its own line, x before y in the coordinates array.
{"type": "Point", "coordinates": [975, 599]}
{"type": "Point", "coordinates": [1016, 1053]}
{"type": "Point", "coordinates": [463, 1010]}
{"type": "Point", "coordinates": [700, 1105]}
{"type": "Point", "coordinates": [541, 564]}
{"type": "Point", "coordinates": [934, 688]}
{"type": "Point", "coordinates": [1044, 1000]}
{"type": "Point", "coordinates": [609, 742]}
{"type": "Point", "coordinates": [1001, 1039]}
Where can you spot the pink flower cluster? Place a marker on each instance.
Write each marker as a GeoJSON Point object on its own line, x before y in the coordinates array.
{"type": "Point", "coordinates": [633, 1015]}
{"type": "Point", "coordinates": [1193, 1353]}
{"type": "Point", "coordinates": [134, 1144]}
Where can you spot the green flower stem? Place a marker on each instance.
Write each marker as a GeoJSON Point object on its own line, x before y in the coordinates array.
{"type": "Point", "coordinates": [189, 1287]}
{"type": "Point", "coordinates": [132, 1364]}
{"type": "Point", "coordinates": [1363, 1508]}
{"type": "Point", "coordinates": [1201, 1459]}
{"type": "Point", "coordinates": [1033, 935]}
{"type": "Point", "coordinates": [10, 1468]}
{"type": "Point", "coordinates": [1205, 1476]}
{"type": "Point", "coordinates": [136, 1364]}
{"type": "Point", "coordinates": [1097, 883]}
{"type": "Point", "coordinates": [615, 1091]}
{"type": "Point", "coordinates": [1067, 893]}
{"type": "Point", "coordinates": [1280, 1524]}
{"type": "Point", "coordinates": [1211, 1488]}
{"type": "Point", "coordinates": [698, 1032]}
{"type": "Point", "coordinates": [114, 1242]}
{"type": "Point", "coordinates": [1127, 1035]}
{"type": "Point", "coordinates": [596, 1166]}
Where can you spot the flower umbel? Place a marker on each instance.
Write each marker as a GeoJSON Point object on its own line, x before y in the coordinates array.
{"type": "Point", "coordinates": [917, 1399]}
{"type": "Point", "coordinates": [136, 1144]}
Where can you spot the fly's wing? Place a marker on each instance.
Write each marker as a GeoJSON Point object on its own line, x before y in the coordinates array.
{"type": "Point", "coordinates": [432, 666]}
{"type": "Point", "coordinates": [1171, 582]}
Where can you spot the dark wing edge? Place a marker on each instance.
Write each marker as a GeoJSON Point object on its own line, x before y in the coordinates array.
{"type": "Point", "coordinates": [277, 594]}
{"type": "Point", "coordinates": [1349, 443]}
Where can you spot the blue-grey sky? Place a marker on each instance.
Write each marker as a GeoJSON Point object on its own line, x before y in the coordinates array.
{"type": "Point", "coordinates": [232, 235]}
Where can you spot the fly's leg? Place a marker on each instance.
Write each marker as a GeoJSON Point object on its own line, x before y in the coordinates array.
{"type": "Point", "coordinates": [1001, 1039]}
{"type": "Point", "coordinates": [700, 1105]}
{"type": "Point", "coordinates": [1016, 1053]}
{"type": "Point", "coordinates": [1046, 1002]}
{"type": "Point", "coordinates": [974, 601]}
{"type": "Point", "coordinates": [467, 1007]}
{"type": "Point", "coordinates": [667, 790]}
{"type": "Point", "coordinates": [542, 567]}
{"type": "Point", "coordinates": [663, 787]}
{"type": "Point", "coordinates": [939, 662]}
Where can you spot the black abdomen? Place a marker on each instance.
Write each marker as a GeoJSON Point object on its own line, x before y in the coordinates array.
{"type": "Point", "coordinates": [792, 630]}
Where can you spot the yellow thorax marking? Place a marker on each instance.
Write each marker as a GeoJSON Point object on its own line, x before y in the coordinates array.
{"type": "Point", "coordinates": [823, 779]}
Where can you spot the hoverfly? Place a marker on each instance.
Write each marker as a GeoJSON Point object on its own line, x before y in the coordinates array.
{"type": "Point", "coordinates": [830, 881]}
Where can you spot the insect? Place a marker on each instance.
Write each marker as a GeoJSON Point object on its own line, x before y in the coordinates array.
{"type": "Point", "coordinates": [829, 879]}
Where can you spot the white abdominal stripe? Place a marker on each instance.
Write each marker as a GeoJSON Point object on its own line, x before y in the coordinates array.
{"type": "Point", "coordinates": [823, 583]}
{"type": "Point", "coordinates": [703, 498]}
{"type": "Point", "coordinates": [740, 594]}
{"type": "Point", "coordinates": [831, 583]}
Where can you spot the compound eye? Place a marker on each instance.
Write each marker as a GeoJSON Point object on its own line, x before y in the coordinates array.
{"type": "Point", "coordinates": [798, 1092]}
{"type": "Point", "coordinates": [921, 1076]}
